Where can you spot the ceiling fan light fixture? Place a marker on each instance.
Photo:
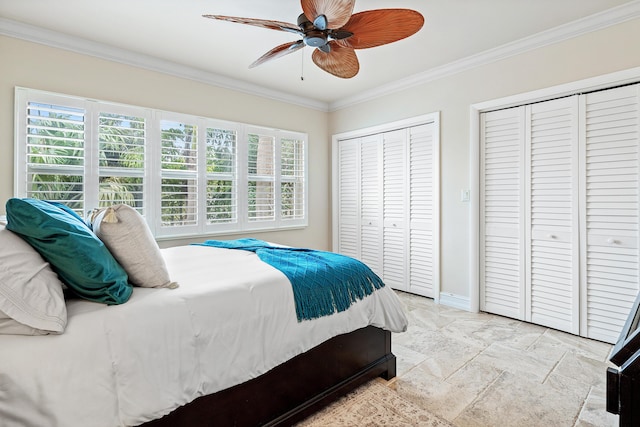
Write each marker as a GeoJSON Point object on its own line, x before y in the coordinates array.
{"type": "Point", "coordinates": [336, 31]}
{"type": "Point", "coordinates": [315, 38]}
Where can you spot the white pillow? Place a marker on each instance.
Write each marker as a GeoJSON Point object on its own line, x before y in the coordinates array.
{"type": "Point", "coordinates": [126, 234]}
{"type": "Point", "coordinates": [31, 297]}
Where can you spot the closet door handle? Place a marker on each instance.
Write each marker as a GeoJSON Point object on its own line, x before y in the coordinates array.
{"type": "Point", "coordinates": [552, 236]}
{"type": "Point", "coordinates": [612, 241]}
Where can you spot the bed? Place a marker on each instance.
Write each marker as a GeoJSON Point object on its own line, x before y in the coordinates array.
{"type": "Point", "coordinates": [219, 344]}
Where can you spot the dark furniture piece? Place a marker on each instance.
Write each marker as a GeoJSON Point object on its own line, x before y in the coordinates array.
{"type": "Point", "coordinates": [296, 389]}
{"type": "Point", "coordinates": [623, 382]}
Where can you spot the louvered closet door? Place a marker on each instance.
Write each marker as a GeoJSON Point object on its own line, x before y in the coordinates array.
{"type": "Point", "coordinates": [371, 202]}
{"type": "Point", "coordinates": [502, 283]}
{"type": "Point", "coordinates": [394, 208]}
{"type": "Point", "coordinates": [421, 209]}
{"type": "Point", "coordinates": [552, 214]}
{"type": "Point", "coordinates": [348, 197]}
{"type": "Point", "coordinates": [610, 259]}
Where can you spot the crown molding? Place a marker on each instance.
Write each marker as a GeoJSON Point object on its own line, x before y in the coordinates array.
{"type": "Point", "coordinates": [58, 40]}
{"type": "Point", "coordinates": [598, 21]}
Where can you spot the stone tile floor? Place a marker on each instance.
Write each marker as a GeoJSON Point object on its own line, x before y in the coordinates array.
{"type": "Point", "coordinates": [479, 369]}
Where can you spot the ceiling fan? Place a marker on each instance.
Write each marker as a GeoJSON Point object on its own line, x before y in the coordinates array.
{"type": "Point", "coordinates": [335, 31]}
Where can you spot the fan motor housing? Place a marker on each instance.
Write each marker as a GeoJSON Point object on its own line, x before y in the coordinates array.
{"type": "Point", "coordinates": [315, 38]}
{"type": "Point", "coordinates": [312, 36]}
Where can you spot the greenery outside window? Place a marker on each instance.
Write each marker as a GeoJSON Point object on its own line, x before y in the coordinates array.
{"type": "Point", "coordinates": [186, 175]}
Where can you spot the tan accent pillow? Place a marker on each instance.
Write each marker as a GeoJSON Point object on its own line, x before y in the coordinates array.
{"type": "Point", "coordinates": [31, 297]}
{"type": "Point", "coordinates": [126, 234]}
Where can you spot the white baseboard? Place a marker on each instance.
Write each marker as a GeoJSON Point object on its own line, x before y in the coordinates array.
{"type": "Point", "coordinates": [455, 301]}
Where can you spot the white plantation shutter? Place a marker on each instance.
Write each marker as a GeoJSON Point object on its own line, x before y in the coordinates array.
{"type": "Point", "coordinates": [121, 157]}
{"type": "Point", "coordinates": [276, 184]}
{"type": "Point", "coordinates": [221, 175]}
{"type": "Point", "coordinates": [552, 226]}
{"type": "Point", "coordinates": [292, 179]}
{"type": "Point", "coordinates": [348, 198]}
{"type": "Point", "coordinates": [422, 191]}
{"type": "Point", "coordinates": [187, 175]}
{"type": "Point", "coordinates": [394, 208]}
{"type": "Point", "coordinates": [54, 154]}
{"type": "Point", "coordinates": [502, 253]}
{"type": "Point", "coordinates": [610, 259]}
{"type": "Point", "coordinates": [261, 182]}
{"type": "Point", "coordinates": [179, 194]}
{"type": "Point", "coordinates": [370, 202]}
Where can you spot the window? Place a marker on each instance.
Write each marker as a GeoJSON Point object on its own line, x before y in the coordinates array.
{"type": "Point", "coordinates": [292, 188]}
{"type": "Point", "coordinates": [221, 176]}
{"type": "Point", "coordinates": [179, 174]}
{"type": "Point", "coordinates": [261, 177]}
{"type": "Point", "coordinates": [54, 154]}
{"type": "Point", "coordinates": [121, 156]}
{"type": "Point", "coordinates": [187, 175]}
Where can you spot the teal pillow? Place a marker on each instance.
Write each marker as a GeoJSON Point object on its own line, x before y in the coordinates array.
{"type": "Point", "coordinates": [81, 260]}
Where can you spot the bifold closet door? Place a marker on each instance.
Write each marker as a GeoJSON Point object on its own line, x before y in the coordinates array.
{"type": "Point", "coordinates": [409, 209]}
{"type": "Point", "coordinates": [394, 208]}
{"type": "Point", "coordinates": [551, 212]}
{"type": "Point", "coordinates": [502, 213]}
{"type": "Point", "coordinates": [422, 215]}
{"type": "Point", "coordinates": [529, 214]}
{"type": "Point", "coordinates": [610, 194]}
{"type": "Point", "coordinates": [560, 211]}
{"type": "Point", "coordinates": [349, 198]}
{"type": "Point", "coordinates": [359, 200]}
{"type": "Point", "coordinates": [370, 202]}
{"type": "Point", "coordinates": [387, 204]}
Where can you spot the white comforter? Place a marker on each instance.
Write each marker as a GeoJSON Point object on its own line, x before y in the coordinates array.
{"type": "Point", "coordinates": [232, 319]}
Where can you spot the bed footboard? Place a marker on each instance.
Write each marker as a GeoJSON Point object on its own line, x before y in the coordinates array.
{"type": "Point", "coordinates": [296, 389]}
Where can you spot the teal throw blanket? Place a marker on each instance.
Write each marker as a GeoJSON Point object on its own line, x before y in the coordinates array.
{"type": "Point", "coordinates": [323, 282]}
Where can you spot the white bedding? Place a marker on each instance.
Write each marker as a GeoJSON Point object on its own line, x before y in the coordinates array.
{"type": "Point", "coordinates": [232, 319]}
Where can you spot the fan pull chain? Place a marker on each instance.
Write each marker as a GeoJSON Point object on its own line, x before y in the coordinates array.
{"type": "Point", "coordinates": [302, 67]}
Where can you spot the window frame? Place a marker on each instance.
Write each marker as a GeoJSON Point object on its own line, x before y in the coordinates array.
{"type": "Point", "coordinates": [153, 172]}
{"type": "Point", "coordinates": [278, 137]}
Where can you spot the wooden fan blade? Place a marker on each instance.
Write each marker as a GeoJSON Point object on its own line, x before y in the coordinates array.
{"type": "Point", "coordinates": [341, 61]}
{"type": "Point", "coordinates": [264, 23]}
{"type": "Point", "coordinates": [278, 51]}
{"type": "Point", "coordinates": [337, 12]}
{"type": "Point", "coordinates": [381, 26]}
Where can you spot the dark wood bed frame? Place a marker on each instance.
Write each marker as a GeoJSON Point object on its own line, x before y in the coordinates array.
{"type": "Point", "coordinates": [296, 389]}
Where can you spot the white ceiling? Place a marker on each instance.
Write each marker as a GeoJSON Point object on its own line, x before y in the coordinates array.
{"type": "Point", "coordinates": [173, 33]}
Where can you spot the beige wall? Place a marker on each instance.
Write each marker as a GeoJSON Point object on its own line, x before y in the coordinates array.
{"type": "Point", "coordinates": [609, 50]}
{"type": "Point", "coordinates": [40, 67]}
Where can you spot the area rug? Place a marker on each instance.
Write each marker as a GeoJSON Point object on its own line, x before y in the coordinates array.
{"type": "Point", "coordinates": [373, 404]}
